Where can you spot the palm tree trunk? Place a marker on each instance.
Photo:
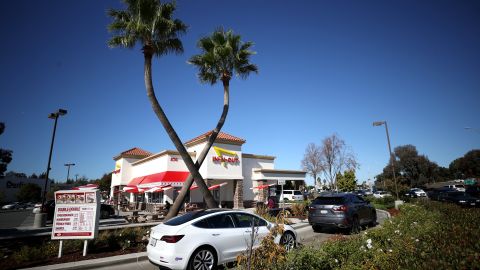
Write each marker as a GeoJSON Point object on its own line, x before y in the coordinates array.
{"type": "Point", "coordinates": [177, 204]}
{"type": "Point", "coordinates": [171, 132]}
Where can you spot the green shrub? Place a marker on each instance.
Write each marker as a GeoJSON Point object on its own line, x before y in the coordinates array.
{"type": "Point", "coordinates": [425, 235]}
{"type": "Point", "coordinates": [28, 254]}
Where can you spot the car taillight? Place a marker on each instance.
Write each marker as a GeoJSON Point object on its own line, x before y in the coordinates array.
{"type": "Point", "coordinates": [341, 208]}
{"type": "Point", "coordinates": [311, 208]}
{"type": "Point", "coordinates": [171, 238]}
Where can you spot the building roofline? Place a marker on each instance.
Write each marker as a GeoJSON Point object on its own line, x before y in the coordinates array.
{"type": "Point", "coordinates": [157, 155]}
{"type": "Point", "coordinates": [245, 155]}
{"type": "Point", "coordinates": [279, 171]}
{"type": "Point", "coordinates": [221, 138]}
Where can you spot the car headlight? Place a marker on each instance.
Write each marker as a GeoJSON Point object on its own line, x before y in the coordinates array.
{"type": "Point", "coordinates": [462, 201]}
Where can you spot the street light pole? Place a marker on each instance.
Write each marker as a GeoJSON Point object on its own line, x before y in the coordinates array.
{"type": "Point", "coordinates": [392, 158]}
{"type": "Point", "coordinates": [68, 170]}
{"type": "Point", "coordinates": [55, 116]}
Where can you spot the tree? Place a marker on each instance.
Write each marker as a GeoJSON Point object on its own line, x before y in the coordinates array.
{"type": "Point", "coordinates": [336, 158]}
{"type": "Point", "coordinates": [5, 155]}
{"type": "Point", "coordinates": [312, 162]}
{"type": "Point", "coordinates": [346, 182]}
{"type": "Point", "coordinates": [15, 174]}
{"type": "Point", "coordinates": [412, 169]}
{"type": "Point", "coordinates": [467, 166]}
{"type": "Point", "coordinates": [105, 182]}
{"type": "Point", "coordinates": [150, 23]}
{"type": "Point", "coordinates": [222, 54]}
{"type": "Point", "coordinates": [29, 193]}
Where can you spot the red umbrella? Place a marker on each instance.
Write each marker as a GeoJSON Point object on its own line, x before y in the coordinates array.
{"type": "Point", "coordinates": [158, 189]}
{"type": "Point", "coordinates": [262, 186]}
{"type": "Point", "coordinates": [217, 186]}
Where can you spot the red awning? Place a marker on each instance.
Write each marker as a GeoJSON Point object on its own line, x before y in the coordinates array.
{"type": "Point", "coordinates": [262, 186]}
{"type": "Point", "coordinates": [159, 189]}
{"type": "Point", "coordinates": [175, 178]}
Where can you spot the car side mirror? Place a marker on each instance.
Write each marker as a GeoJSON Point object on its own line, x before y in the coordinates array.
{"type": "Point", "coordinates": [269, 226]}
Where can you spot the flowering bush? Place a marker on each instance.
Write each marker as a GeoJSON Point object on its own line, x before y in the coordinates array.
{"type": "Point", "coordinates": [425, 235]}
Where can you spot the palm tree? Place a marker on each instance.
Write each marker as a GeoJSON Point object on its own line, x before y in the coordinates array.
{"type": "Point", "coordinates": [223, 54]}
{"type": "Point", "coordinates": [150, 23]}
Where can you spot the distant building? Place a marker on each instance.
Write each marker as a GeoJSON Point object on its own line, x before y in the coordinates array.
{"type": "Point", "coordinates": [237, 174]}
{"type": "Point", "coordinates": [10, 186]}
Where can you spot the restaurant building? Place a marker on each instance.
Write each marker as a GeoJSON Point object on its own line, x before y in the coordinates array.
{"type": "Point", "coordinates": [234, 178]}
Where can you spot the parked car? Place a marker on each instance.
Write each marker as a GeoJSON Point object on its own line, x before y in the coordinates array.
{"type": "Point", "coordinates": [458, 187]}
{"type": "Point", "coordinates": [473, 191]}
{"type": "Point", "coordinates": [415, 193]}
{"type": "Point", "coordinates": [460, 198]}
{"type": "Point", "coordinates": [381, 194]}
{"type": "Point", "coordinates": [291, 195]}
{"type": "Point", "coordinates": [205, 239]}
{"type": "Point", "coordinates": [106, 210]}
{"type": "Point", "coordinates": [360, 192]}
{"type": "Point", "coordinates": [341, 210]}
{"type": "Point", "coordinates": [435, 194]}
{"type": "Point", "coordinates": [12, 206]}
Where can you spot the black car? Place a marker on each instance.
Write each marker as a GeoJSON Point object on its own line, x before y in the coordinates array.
{"type": "Point", "coordinates": [341, 210]}
{"type": "Point", "coordinates": [473, 191]}
{"type": "Point", "coordinates": [460, 198]}
{"type": "Point", "coordinates": [436, 194]}
{"type": "Point", "coordinates": [106, 210]}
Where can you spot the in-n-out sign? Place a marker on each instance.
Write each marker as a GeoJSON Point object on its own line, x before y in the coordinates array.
{"type": "Point", "coordinates": [220, 158]}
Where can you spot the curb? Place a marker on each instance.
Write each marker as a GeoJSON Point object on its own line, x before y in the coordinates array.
{"type": "Point", "coordinates": [95, 263]}
{"type": "Point", "coordinates": [386, 213]}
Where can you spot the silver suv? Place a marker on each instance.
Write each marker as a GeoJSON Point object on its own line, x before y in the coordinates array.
{"type": "Point", "coordinates": [341, 210]}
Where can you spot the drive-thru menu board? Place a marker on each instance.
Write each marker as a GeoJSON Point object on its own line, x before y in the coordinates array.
{"type": "Point", "coordinates": [76, 214]}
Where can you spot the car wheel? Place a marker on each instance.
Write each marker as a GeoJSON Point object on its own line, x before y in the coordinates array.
{"type": "Point", "coordinates": [202, 258]}
{"type": "Point", "coordinates": [355, 229]}
{"type": "Point", "coordinates": [317, 228]}
{"type": "Point", "coordinates": [288, 241]}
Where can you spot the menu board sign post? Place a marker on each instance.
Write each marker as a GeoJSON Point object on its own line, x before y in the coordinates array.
{"type": "Point", "coordinates": [76, 216]}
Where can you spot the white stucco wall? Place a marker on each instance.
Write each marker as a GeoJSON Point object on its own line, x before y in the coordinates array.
{"type": "Point", "coordinates": [215, 169]}
{"type": "Point", "coordinates": [250, 164]}
{"type": "Point", "coordinates": [126, 171]}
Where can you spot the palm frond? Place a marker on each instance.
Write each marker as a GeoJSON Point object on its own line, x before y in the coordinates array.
{"type": "Point", "coordinates": [223, 53]}
{"type": "Point", "coordinates": [148, 22]}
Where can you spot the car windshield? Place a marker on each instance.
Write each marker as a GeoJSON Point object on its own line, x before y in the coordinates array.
{"type": "Point", "coordinates": [329, 200]}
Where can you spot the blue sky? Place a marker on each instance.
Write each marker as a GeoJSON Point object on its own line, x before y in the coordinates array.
{"type": "Point", "coordinates": [324, 67]}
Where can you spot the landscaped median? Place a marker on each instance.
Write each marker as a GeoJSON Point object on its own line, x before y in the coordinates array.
{"type": "Point", "coordinates": [424, 235]}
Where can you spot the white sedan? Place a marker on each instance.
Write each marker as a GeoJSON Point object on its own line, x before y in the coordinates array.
{"type": "Point", "coordinates": [381, 194]}
{"type": "Point", "coordinates": [207, 238]}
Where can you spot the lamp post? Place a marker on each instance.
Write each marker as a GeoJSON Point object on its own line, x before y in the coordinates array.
{"type": "Point", "coordinates": [41, 218]}
{"type": "Point", "coordinates": [68, 170]}
{"type": "Point", "coordinates": [379, 123]}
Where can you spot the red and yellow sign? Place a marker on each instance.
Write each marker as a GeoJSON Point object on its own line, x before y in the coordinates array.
{"type": "Point", "coordinates": [232, 156]}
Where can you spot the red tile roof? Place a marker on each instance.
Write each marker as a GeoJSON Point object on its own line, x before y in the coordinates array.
{"type": "Point", "coordinates": [221, 138]}
{"type": "Point", "coordinates": [134, 153]}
